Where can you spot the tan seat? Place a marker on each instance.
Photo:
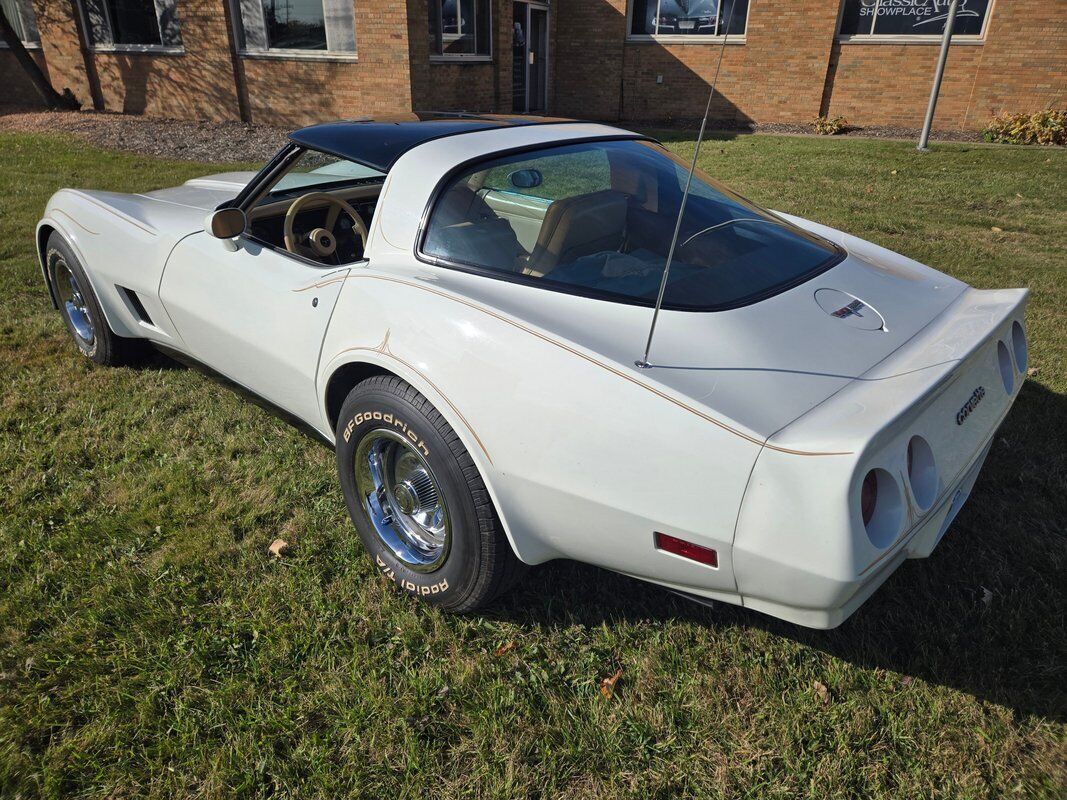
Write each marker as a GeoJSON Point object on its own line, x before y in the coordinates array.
{"type": "Point", "coordinates": [578, 226]}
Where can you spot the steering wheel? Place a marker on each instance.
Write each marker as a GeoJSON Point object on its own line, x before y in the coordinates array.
{"type": "Point", "coordinates": [322, 243]}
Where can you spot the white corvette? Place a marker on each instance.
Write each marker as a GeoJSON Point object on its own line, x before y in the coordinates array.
{"type": "Point", "coordinates": [458, 305]}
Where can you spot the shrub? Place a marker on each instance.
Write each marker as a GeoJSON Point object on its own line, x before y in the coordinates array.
{"type": "Point", "coordinates": [829, 126]}
{"type": "Point", "coordinates": [1044, 127]}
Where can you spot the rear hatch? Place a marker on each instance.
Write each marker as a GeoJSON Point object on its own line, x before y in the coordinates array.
{"type": "Point", "coordinates": [767, 364]}
{"type": "Point", "coordinates": [953, 385]}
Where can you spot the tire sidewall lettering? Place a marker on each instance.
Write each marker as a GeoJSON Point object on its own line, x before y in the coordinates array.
{"type": "Point", "coordinates": [421, 589]}
{"type": "Point", "coordinates": [387, 419]}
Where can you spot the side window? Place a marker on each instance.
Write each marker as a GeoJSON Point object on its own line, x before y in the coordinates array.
{"type": "Point", "coordinates": [524, 214]}
{"type": "Point", "coordinates": [561, 175]}
{"type": "Point", "coordinates": [597, 218]}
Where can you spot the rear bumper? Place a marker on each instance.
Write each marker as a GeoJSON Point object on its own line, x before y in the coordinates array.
{"type": "Point", "coordinates": [919, 542]}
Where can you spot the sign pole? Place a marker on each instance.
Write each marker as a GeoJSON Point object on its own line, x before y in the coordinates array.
{"type": "Point", "coordinates": [946, 40]}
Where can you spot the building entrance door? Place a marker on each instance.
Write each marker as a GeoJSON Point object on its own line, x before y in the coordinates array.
{"type": "Point", "coordinates": [529, 76]}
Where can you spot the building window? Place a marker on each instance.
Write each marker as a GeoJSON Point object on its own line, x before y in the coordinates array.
{"type": "Point", "coordinates": [20, 14]}
{"type": "Point", "coordinates": [296, 27]}
{"type": "Point", "coordinates": [687, 19]}
{"type": "Point", "coordinates": [460, 29]}
{"type": "Point", "coordinates": [132, 24]}
{"type": "Point", "coordinates": [910, 19]}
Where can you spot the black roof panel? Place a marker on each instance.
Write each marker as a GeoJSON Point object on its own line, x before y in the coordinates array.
{"type": "Point", "coordinates": [379, 142]}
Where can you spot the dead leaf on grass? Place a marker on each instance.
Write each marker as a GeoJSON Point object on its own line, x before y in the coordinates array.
{"type": "Point", "coordinates": [822, 692]}
{"type": "Point", "coordinates": [504, 648]}
{"type": "Point", "coordinates": [607, 686]}
{"type": "Point", "coordinates": [278, 548]}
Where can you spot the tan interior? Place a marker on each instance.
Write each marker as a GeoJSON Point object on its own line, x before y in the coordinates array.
{"type": "Point", "coordinates": [578, 226]}
{"type": "Point", "coordinates": [279, 207]}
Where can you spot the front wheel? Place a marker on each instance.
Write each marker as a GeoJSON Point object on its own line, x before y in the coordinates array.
{"type": "Point", "coordinates": [417, 499]}
{"type": "Point", "coordinates": [81, 310]}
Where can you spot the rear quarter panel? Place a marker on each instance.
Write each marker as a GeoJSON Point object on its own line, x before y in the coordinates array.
{"type": "Point", "coordinates": [582, 461]}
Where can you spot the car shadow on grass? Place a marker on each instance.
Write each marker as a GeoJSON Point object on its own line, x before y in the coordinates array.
{"type": "Point", "coordinates": [985, 614]}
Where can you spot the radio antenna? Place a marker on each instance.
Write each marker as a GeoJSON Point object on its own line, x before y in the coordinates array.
{"type": "Point", "coordinates": [644, 362]}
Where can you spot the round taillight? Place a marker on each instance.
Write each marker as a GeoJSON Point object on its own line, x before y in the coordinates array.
{"type": "Point", "coordinates": [1007, 374]}
{"type": "Point", "coordinates": [1018, 344]}
{"type": "Point", "coordinates": [869, 497]}
{"type": "Point", "coordinates": [922, 473]}
{"type": "Point", "coordinates": [881, 507]}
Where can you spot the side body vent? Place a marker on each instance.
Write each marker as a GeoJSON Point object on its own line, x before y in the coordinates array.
{"type": "Point", "coordinates": [136, 305]}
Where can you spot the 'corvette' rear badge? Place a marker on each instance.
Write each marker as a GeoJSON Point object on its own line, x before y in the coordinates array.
{"type": "Point", "coordinates": [970, 405]}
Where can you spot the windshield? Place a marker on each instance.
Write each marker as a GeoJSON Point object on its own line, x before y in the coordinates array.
{"type": "Point", "coordinates": [314, 169]}
{"type": "Point", "coordinates": [597, 218]}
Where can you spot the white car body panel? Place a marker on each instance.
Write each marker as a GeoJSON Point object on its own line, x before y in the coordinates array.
{"type": "Point", "coordinates": [750, 436]}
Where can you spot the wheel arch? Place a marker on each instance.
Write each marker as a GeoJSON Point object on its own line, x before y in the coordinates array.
{"type": "Point", "coordinates": [343, 376]}
{"type": "Point", "coordinates": [51, 225]}
{"type": "Point", "coordinates": [44, 232]}
{"type": "Point", "coordinates": [343, 380]}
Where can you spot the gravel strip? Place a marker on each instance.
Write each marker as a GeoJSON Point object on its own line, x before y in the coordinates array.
{"type": "Point", "coordinates": [154, 136]}
{"type": "Point", "coordinates": [235, 141]}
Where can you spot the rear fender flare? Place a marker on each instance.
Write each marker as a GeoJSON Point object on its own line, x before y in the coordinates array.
{"type": "Point", "coordinates": [527, 551]}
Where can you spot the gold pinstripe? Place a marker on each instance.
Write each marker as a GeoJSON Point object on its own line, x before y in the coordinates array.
{"type": "Point", "coordinates": [383, 349]}
{"type": "Point", "coordinates": [602, 365]}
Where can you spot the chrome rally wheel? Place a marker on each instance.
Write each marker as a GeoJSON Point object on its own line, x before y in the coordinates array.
{"type": "Point", "coordinates": [72, 301]}
{"type": "Point", "coordinates": [403, 500]}
{"type": "Point", "coordinates": [417, 499]}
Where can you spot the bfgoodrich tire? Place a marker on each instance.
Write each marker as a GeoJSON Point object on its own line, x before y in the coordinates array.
{"type": "Point", "coordinates": [81, 312]}
{"type": "Point", "coordinates": [417, 500]}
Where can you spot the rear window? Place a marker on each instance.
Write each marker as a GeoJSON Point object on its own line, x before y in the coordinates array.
{"type": "Point", "coordinates": [596, 219]}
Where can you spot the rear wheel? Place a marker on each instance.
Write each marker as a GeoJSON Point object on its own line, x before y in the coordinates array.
{"type": "Point", "coordinates": [81, 310]}
{"type": "Point", "coordinates": [417, 499]}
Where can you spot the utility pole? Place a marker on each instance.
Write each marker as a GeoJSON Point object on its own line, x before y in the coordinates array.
{"type": "Point", "coordinates": [946, 40]}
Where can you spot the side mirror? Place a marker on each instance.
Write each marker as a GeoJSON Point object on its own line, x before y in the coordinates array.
{"type": "Point", "coordinates": [226, 223]}
{"type": "Point", "coordinates": [525, 178]}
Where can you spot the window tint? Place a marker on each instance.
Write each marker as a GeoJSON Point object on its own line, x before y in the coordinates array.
{"type": "Point", "coordinates": [288, 25]}
{"type": "Point", "coordinates": [295, 24]}
{"type": "Point", "coordinates": [688, 17]}
{"type": "Point", "coordinates": [459, 28]}
{"type": "Point", "coordinates": [21, 16]}
{"type": "Point", "coordinates": [597, 218]}
{"type": "Point", "coordinates": [113, 23]}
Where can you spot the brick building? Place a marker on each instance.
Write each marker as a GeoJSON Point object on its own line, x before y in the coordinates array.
{"type": "Point", "coordinates": [293, 61]}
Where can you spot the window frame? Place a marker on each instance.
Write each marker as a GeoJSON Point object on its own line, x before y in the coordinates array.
{"type": "Point", "coordinates": [29, 44]}
{"type": "Point", "coordinates": [839, 253]}
{"type": "Point", "coordinates": [289, 53]}
{"type": "Point", "coordinates": [468, 58]}
{"type": "Point", "coordinates": [898, 38]}
{"type": "Point", "coordinates": [259, 187]}
{"type": "Point", "coordinates": [677, 38]}
{"type": "Point", "coordinates": [113, 47]}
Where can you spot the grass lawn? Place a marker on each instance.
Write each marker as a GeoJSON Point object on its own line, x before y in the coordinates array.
{"type": "Point", "coordinates": [149, 646]}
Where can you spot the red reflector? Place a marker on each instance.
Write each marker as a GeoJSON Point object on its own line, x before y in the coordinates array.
{"type": "Point", "coordinates": [680, 547]}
